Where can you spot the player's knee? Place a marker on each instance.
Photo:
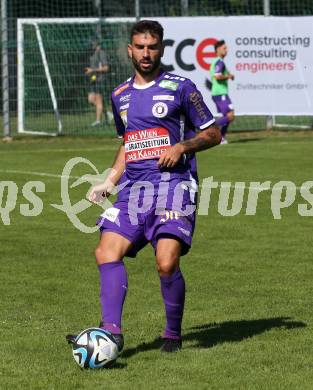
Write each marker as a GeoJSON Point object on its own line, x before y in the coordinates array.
{"type": "Point", "coordinates": [167, 264]}
{"type": "Point", "coordinates": [104, 255]}
{"type": "Point", "coordinates": [167, 269]}
{"type": "Point", "coordinates": [99, 255]}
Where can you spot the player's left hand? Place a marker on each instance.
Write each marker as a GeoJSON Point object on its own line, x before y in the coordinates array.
{"type": "Point", "coordinates": [171, 156]}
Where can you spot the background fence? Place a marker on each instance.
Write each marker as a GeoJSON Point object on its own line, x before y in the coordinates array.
{"type": "Point", "coordinates": [67, 49]}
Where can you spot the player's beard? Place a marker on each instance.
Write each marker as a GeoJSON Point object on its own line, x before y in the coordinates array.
{"type": "Point", "coordinates": [145, 72]}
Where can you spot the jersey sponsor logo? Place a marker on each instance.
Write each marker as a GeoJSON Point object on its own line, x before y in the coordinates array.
{"type": "Point", "coordinates": [160, 110]}
{"type": "Point", "coordinates": [163, 97]}
{"type": "Point", "coordinates": [174, 78]}
{"type": "Point", "coordinates": [125, 98]}
{"type": "Point", "coordinates": [121, 89]}
{"type": "Point", "coordinates": [169, 85]}
{"type": "Point", "coordinates": [124, 106]}
{"type": "Point", "coordinates": [196, 100]}
{"type": "Point", "coordinates": [111, 214]}
{"type": "Point", "coordinates": [146, 144]}
{"type": "Point", "coordinates": [170, 215]}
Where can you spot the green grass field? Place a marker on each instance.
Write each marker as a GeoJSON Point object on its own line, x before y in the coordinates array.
{"type": "Point", "coordinates": [248, 318]}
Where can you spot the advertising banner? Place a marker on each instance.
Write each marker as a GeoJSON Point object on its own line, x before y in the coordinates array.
{"type": "Point", "coordinates": [270, 57]}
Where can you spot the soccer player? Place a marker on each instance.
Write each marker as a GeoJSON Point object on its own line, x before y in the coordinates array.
{"type": "Point", "coordinates": [219, 77]}
{"type": "Point", "coordinates": [158, 113]}
{"type": "Point", "coordinates": [98, 67]}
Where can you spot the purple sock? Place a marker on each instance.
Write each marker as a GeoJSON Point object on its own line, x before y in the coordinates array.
{"type": "Point", "coordinates": [173, 293]}
{"type": "Point", "coordinates": [223, 121]}
{"type": "Point", "coordinates": [113, 289]}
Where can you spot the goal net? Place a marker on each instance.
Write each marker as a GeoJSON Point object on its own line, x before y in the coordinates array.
{"type": "Point", "coordinates": [52, 85]}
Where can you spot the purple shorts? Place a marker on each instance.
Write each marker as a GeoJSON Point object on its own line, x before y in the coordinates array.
{"type": "Point", "coordinates": [223, 104]}
{"type": "Point", "coordinates": [150, 226]}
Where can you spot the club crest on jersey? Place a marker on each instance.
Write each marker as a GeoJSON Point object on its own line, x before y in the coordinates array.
{"type": "Point", "coordinates": [160, 110]}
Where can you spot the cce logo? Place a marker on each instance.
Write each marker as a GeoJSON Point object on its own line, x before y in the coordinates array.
{"type": "Point", "coordinates": [204, 51]}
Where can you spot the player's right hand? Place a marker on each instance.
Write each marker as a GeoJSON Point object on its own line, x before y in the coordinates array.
{"type": "Point", "coordinates": [231, 76]}
{"type": "Point", "coordinates": [101, 191]}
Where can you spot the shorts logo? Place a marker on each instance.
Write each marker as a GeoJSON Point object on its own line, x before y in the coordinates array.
{"type": "Point", "coordinates": [160, 110]}
{"type": "Point", "coordinates": [111, 214]}
{"type": "Point", "coordinates": [169, 215]}
{"type": "Point", "coordinates": [184, 231]}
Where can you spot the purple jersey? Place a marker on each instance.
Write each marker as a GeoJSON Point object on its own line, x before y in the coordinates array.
{"type": "Point", "coordinates": [152, 118]}
{"type": "Point", "coordinates": [155, 116]}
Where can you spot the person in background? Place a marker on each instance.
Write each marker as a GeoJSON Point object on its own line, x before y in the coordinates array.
{"type": "Point", "coordinates": [95, 72]}
{"type": "Point", "coordinates": [219, 90]}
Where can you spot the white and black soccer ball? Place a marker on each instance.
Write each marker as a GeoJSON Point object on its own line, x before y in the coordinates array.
{"type": "Point", "coordinates": [94, 348]}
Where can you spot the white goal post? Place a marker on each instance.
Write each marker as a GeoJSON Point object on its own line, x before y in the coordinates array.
{"type": "Point", "coordinates": [36, 23]}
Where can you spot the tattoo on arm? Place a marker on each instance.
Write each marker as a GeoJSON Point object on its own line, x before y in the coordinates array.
{"type": "Point", "coordinates": [195, 144]}
{"type": "Point", "coordinates": [205, 140]}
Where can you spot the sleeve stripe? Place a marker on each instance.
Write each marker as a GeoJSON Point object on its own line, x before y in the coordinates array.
{"type": "Point", "coordinates": [207, 124]}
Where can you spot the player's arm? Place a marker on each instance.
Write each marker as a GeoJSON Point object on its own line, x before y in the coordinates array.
{"type": "Point", "coordinates": [207, 138]}
{"type": "Point", "coordinates": [221, 73]}
{"type": "Point", "coordinates": [103, 66]}
{"type": "Point", "coordinates": [104, 189]}
{"type": "Point", "coordinates": [200, 116]}
{"type": "Point", "coordinates": [102, 69]}
{"type": "Point", "coordinates": [220, 77]}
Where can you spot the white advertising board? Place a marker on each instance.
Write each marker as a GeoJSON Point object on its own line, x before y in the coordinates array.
{"type": "Point", "coordinates": [271, 58]}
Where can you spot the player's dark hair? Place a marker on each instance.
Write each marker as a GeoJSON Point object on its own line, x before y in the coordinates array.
{"type": "Point", "coordinates": [219, 44]}
{"type": "Point", "coordinates": [148, 26]}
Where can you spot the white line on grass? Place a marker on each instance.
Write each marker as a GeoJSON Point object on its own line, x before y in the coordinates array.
{"type": "Point", "coordinates": [103, 149]}
{"type": "Point", "coordinates": [43, 174]}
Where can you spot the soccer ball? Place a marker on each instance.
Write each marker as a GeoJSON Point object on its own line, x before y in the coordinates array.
{"type": "Point", "coordinates": [94, 348]}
